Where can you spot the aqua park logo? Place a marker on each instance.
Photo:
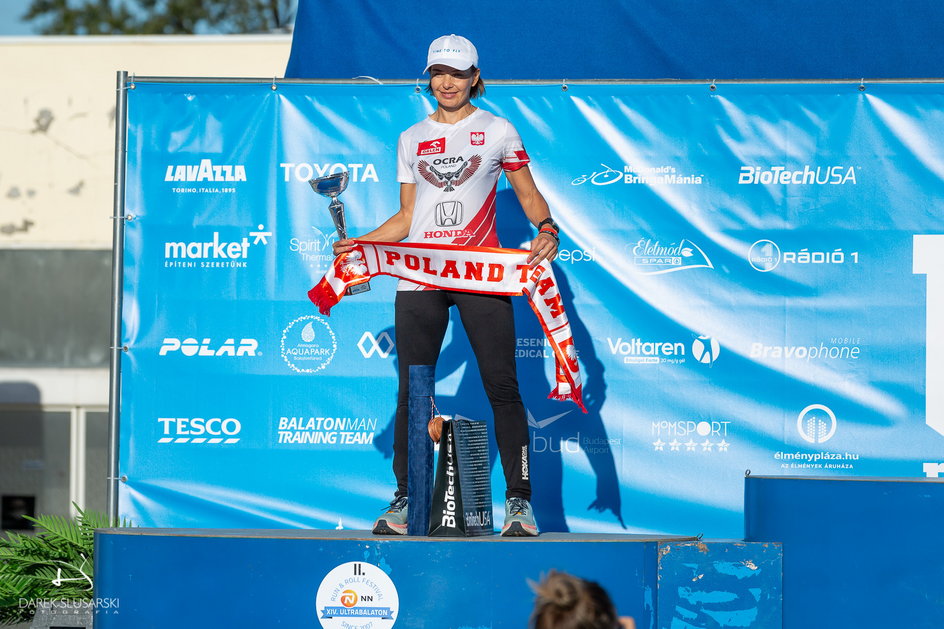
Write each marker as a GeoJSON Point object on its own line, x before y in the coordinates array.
{"type": "Point", "coordinates": [652, 257]}
{"type": "Point", "coordinates": [308, 344]}
{"type": "Point", "coordinates": [215, 253]}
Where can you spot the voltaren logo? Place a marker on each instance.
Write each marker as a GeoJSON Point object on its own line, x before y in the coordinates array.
{"type": "Point", "coordinates": [206, 170]}
{"type": "Point", "coordinates": [432, 147]}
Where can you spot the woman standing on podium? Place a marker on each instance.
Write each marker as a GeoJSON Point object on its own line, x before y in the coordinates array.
{"type": "Point", "coordinates": [448, 166]}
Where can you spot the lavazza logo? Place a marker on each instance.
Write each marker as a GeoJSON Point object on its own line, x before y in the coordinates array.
{"type": "Point", "coordinates": [807, 175]}
{"type": "Point", "coordinates": [635, 351]}
{"type": "Point", "coordinates": [766, 255]}
{"type": "Point", "coordinates": [215, 253]}
{"type": "Point", "coordinates": [691, 436]}
{"type": "Point", "coordinates": [199, 430]}
{"type": "Point", "coordinates": [207, 174]}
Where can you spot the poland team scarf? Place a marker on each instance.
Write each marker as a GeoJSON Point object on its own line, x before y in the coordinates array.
{"type": "Point", "coordinates": [486, 270]}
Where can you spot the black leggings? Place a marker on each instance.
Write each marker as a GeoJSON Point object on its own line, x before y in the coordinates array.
{"type": "Point", "coordinates": [421, 320]}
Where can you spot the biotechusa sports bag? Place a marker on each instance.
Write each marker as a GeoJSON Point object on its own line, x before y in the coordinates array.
{"type": "Point", "coordinates": [462, 493]}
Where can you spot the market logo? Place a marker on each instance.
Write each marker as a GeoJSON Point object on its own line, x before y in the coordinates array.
{"type": "Point", "coordinates": [207, 347]}
{"type": "Point", "coordinates": [647, 176]}
{"type": "Point", "coordinates": [449, 172]}
{"type": "Point", "coordinates": [317, 251]}
{"type": "Point", "coordinates": [705, 350]}
{"type": "Point", "coordinates": [816, 423]}
{"type": "Point", "coordinates": [205, 171]}
{"type": "Point", "coordinates": [369, 344]}
{"type": "Point", "coordinates": [690, 436]}
{"type": "Point", "coordinates": [431, 147]}
{"type": "Point", "coordinates": [308, 344]}
{"type": "Point", "coordinates": [808, 175]}
{"type": "Point", "coordinates": [215, 253]}
{"type": "Point", "coordinates": [449, 213]}
{"type": "Point", "coordinates": [766, 255]}
{"type": "Point", "coordinates": [197, 430]}
{"type": "Point", "coordinates": [357, 595]}
{"type": "Point", "coordinates": [306, 171]}
{"type": "Point", "coordinates": [651, 257]}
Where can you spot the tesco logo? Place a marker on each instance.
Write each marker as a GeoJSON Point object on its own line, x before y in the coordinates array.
{"type": "Point", "coordinates": [214, 430]}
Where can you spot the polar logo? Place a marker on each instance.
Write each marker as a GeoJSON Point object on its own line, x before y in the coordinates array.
{"type": "Point", "coordinates": [381, 345]}
{"type": "Point", "coordinates": [764, 255]}
{"type": "Point", "coordinates": [206, 347]}
{"type": "Point", "coordinates": [928, 260]}
{"type": "Point", "coordinates": [449, 213]}
{"type": "Point", "coordinates": [816, 423]}
{"type": "Point", "coordinates": [705, 350]}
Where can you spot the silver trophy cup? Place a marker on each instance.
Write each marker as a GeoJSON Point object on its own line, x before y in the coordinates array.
{"type": "Point", "coordinates": [332, 186]}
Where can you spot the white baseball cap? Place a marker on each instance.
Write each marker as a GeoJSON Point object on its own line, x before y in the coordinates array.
{"type": "Point", "coordinates": [454, 51]}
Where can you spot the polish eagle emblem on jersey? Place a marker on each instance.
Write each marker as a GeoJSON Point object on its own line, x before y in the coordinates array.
{"type": "Point", "coordinates": [449, 179]}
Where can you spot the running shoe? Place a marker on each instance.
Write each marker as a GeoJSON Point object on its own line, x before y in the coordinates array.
{"type": "Point", "coordinates": [393, 521]}
{"type": "Point", "coordinates": [519, 519]}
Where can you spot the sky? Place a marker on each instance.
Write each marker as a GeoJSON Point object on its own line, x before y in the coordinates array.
{"type": "Point", "coordinates": [10, 12]}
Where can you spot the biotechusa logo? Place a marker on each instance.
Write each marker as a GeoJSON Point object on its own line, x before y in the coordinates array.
{"type": "Point", "coordinates": [205, 172]}
{"type": "Point", "coordinates": [334, 431]}
{"type": "Point", "coordinates": [214, 253]}
{"type": "Point", "coordinates": [766, 255]}
{"type": "Point", "coordinates": [704, 350]}
{"type": "Point", "coordinates": [687, 435]}
{"type": "Point", "coordinates": [382, 345]}
{"type": "Point", "coordinates": [357, 595]}
{"type": "Point", "coordinates": [651, 257]}
{"type": "Point", "coordinates": [558, 441]}
{"type": "Point", "coordinates": [306, 171]}
{"type": "Point", "coordinates": [839, 348]}
{"type": "Point", "coordinates": [308, 344]}
{"type": "Point", "coordinates": [807, 175]}
{"type": "Point", "coordinates": [648, 175]}
{"type": "Point", "coordinates": [213, 430]}
{"type": "Point", "coordinates": [206, 347]}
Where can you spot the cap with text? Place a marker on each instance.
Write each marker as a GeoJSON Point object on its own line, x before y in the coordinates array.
{"type": "Point", "coordinates": [454, 51]}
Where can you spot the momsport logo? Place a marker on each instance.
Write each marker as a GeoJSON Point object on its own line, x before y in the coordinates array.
{"type": "Point", "coordinates": [690, 436]}
{"type": "Point", "coordinates": [306, 171]}
{"type": "Point", "coordinates": [816, 423]}
{"type": "Point", "coordinates": [766, 255]}
{"type": "Point", "coordinates": [653, 257]}
{"type": "Point", "coordinates": [807, 175]}
{"type": "Point", "coordinates": [357, 595]}
{"type": "Point", "coordinates": [705, 350]}
{"type": "Point", "coordinates": [369, 344]}
{"type": "Point", "coordinates": [197, 430]}
{"type": "Point", "coordinates": [207, 347]}
{"type": "Point", "coordinates": [308, 344]}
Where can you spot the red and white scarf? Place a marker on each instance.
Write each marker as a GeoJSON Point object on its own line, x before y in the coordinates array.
{"type": "Point", "coordinates": [486, 270]}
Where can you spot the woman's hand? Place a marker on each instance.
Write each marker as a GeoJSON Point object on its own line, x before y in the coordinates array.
{"type": "Point", "coordinates": [544, 246]}
{"type": "Point", "coordinates": [342, 246]}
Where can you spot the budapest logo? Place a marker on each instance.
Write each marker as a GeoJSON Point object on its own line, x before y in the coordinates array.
{"type": "Point", "coordinates": [357, 595]}
{"type": "Point", "coordinates": [816, 423]}
{"type": "Point", "coordinates": [477, 138]}
{"type": "Point", "coordinates": [432, 147]}
{"type": "Point", "coordinates": [449, 213]}
{"type": "Point", "coordinates": [308, 344]}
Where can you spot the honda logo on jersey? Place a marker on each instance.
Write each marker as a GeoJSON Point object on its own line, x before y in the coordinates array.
{"type": "Point", "coordinates": [432, 147]}
{"type": "Point", "coordinates": [448, 213]}
{"type": "Point", "coordinates": [477, 138]}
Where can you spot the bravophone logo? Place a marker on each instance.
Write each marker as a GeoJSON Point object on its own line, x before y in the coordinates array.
{"type": "Point", "coordinates": [357, 595]}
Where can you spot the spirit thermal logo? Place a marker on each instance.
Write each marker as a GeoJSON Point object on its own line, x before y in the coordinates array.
{"type": "Point", "coordinates": [928, 260]}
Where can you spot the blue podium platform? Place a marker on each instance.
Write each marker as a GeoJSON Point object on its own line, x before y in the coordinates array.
{"type": "Point", "coordinates": [202, 578]}
{"type": "Point", "coordinates": [858, 552]}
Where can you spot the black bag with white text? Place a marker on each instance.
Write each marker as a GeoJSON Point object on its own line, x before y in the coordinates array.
{"type": "Point", "coordinates": [462, 492]}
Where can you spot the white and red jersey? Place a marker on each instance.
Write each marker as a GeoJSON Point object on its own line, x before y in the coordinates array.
{"type": "Point", "coordinates": [456, 168]}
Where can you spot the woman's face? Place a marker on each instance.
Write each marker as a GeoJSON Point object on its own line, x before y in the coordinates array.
{"type": "Point", "coordinates": [452, 87]}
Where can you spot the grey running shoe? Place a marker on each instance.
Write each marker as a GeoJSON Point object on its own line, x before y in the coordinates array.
{"type": "Point", "coordinates": [393, 521]}
{"type": "Point", "coordinates": [519, 519]}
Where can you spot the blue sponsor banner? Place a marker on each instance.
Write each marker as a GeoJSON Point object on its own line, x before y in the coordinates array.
{"type": "Point", "coordinates": [753, 274]}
